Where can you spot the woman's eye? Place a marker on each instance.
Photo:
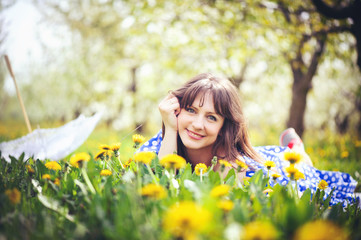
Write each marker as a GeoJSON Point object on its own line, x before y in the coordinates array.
{"type": "Point", "coordinates": [190, 110]}
{"type": "Point", "coordinates": [213, 118]}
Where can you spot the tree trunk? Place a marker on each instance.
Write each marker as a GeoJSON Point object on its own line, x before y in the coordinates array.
{"type": "Point", "coordinates": [133, 88]}
{"type": "Point", "coordinates": [299, 103]}
{"type": "Point", "coordinates": [302, 83]}
{"type": "Point", "coordinates": [358, 111]}
{"type": "Point", "coordinates": [238, 80]}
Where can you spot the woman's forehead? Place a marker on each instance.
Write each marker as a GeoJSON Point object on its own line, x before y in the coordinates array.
{"type": "Point", "coordinates": [206, 102]}
{"type": "Point", "coordinates": [216, 96]}
{"type": "Point", "coordinates": [204, 98]}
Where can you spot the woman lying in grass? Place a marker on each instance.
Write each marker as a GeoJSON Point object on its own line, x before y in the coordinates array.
{"type": "Point", "coordinates": [204, 118]}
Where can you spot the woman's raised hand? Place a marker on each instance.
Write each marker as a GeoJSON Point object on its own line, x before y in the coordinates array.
{"type": "Point", "coordinates": [169, 109]}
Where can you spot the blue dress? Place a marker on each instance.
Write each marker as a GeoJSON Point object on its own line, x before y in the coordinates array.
{"type": "Point", "coordinates": [343, 183]}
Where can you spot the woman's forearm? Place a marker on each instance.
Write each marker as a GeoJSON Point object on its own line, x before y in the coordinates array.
{"type": "Point", "coordinates": [169, 143]}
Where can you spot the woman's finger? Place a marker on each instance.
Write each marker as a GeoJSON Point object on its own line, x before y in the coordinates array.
{"type": "Point", "coordinates": [173, 100]}
{"type": "Point", "coordinates": [177, 111]}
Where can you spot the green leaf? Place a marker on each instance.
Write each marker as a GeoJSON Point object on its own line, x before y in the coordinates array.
{"type": "Point", "coordinates": [163, 180]}
{"type": "Point", "coordinates": [326, 202]}
{"type": "Point", "coordinates": [230, 178]}
{"type": "Point", "coordinates": [187, 173]}
{"type": "Point", "coordinates": [257, 178]}
{"type": "Point", "coordinates": [214, 178]}
{"type": "Point", "coordinates": [307, 196]}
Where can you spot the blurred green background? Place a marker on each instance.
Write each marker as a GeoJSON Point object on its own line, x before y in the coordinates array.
{"type": "Point", "coordinates": [293, 67]}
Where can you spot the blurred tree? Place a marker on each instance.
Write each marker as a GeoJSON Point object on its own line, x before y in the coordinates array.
{"type": "Point", "coordinates": [131, 37]}
{"type": "Point", "coordinates": [102, 29]}
{"type": "Point", "coordinates": [306, 32]}
{"type": "Point", "coordinates": [123, 56]}
{"type": "Point", "coordinates": [4, 97]}
{"type": "Point", "coordinates": [347, 9]}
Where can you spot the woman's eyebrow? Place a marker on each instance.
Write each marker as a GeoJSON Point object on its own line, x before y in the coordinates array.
{"type": "Point", "coordinates": [209, 112]}
{"type": "Point", "coordinates": [212, 113]}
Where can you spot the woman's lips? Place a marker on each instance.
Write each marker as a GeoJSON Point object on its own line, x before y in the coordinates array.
{"type": "Point", "coordinates": [194, 135]}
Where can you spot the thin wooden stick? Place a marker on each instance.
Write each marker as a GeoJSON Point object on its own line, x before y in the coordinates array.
{"type": "Point", "coordinates": [18, 93]}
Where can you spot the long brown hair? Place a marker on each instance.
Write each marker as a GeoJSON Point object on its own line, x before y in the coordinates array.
{"type": "Point", "coordinates": [233, 136]}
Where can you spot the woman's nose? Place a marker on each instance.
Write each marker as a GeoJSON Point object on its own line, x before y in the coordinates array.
{"type": "Point", "coordinates": [198, 123]}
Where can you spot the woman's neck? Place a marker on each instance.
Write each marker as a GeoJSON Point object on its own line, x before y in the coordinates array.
{"type": "Point", "coordinates": [195, 156]}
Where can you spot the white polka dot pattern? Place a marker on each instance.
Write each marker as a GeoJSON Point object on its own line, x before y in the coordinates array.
{"type": "Point", "coordinates": [342, 183]}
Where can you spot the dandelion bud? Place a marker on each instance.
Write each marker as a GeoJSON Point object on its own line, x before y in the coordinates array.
{"type": "Point", "coordinates": [214, 160]}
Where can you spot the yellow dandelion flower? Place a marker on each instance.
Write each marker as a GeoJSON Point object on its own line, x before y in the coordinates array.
{"type": "Point", "coordinates": [200, 167]}
{"type": "Point", "coordinates": [154, 191]}
{"type": "Point", "coordinates": [220, 190]}
{"type": "Point", "coordinates": [246, 178]}
{"type": "Point", "coordinates": [173, 161]}
{"type": "Point", "coordinates": [105, 172]}
{"type": "Point", "coordinates": [78, 159]}
{"type": "Point", "coordinates": [322, 185]}
{"type": "Point", "coordinates": [226, 205]}
{"type": "Point", "coordinates": [269, 164]}
{"type": "Point", "coordinates": [53, 166]}
{"type": "Point", "coordinates": [275, 175]}
{"type": "Point", "coordinates": [322, 152]}
{"type": "Point", "coordinates": [293, 157]}
{"type": "Point", "coordinates": [138, 139]}
{"type": "Point", "coordinates": [309, 149]}
{"type": "Point", "coordinates": [127, 163]}
{"type": "Point", "coordinates": [115, 147]}
{"type": "Point", "coordinates": [291, 170]}
{"type": "Point", "coordinates": [102, 155]}
{"type": "Point", "coordinates": [29, 168]}
{"type": "Point", "coordinates": [320, 229]}
{"type": "Point", "coordinates": [56, 181]}
{"type": "Point", "coordinates": [224, 163]}
{"type": "Point", "coordinates": [358, 143]}
{"type": "Point", "coordinates": [268, 190]}
{"type": "Point", "coordinates": [299, 175]}
{"type": "Point", "coordinates": [144, 157]}
{"type": "Point", "coordinates": [105, 147]}
{"type": "Point", "coordinates": [345, 154]}
{"type": "Point", "coordinates": [99, 155]}
{"type": "Point", "coordinates": [46, 176]}
{"type": "Point", "coordinates": [259, 230]}
{"type": "Point", "coordinates": [14, 195]}
{"type": "Point", "coordinates": [185, 220]}
{"type": "Point", "coordinates": [241, 165]}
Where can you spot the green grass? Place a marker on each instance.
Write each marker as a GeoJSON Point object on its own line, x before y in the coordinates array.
{"type": "Point", "coordinates": [328, 151]}
{"type": "Point", "coordinates": [80, 203]}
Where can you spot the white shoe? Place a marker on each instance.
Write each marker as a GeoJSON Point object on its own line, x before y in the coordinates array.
{"type": "Point", "coordinates": [289, 138]}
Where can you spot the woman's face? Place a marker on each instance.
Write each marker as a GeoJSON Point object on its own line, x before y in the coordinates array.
{"type": "Point", "coordinates": [199, 126]}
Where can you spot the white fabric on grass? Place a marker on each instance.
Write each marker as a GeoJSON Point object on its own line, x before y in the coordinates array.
{"type": "Point", "coordinates": [52, 143]}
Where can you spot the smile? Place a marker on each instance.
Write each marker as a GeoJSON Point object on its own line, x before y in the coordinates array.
{"type": "Point", "coordinates": [194, 135]}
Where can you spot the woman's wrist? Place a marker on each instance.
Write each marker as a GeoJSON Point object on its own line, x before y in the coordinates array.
{"type": "Point", "coordinates": [170, 132]}
{"type": "Point", "coordinates": [170, 127]}
{"type": "Point", "coordinates": [169, 143]}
